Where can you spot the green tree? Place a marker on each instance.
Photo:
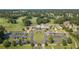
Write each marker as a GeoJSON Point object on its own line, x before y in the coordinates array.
{"type": "Point", "coordinates": [2, 32]}
{"type": "Point", "coordinates": [46, 44]}
{"type": "Point", "coordinates": [69, 40]}
{"type": "Point", "coordinates": [70, 30]}
{"type": "Point", "coordinates": [39, 20]}
{"type": "Point", "coordinates": [14, 43]}
{"type": "Point", "coordinates": [51, 39]}
{"type": "Point", "coordinates": [45, 20]}
{"type": "Point", "coordinates": [64, 42]}
{"type": "Point", "coordinates": [13, 19]}
{"type": "Point", "coordinates": [32, 44]}
{"type": "Point", "coordinates": [42, 20]}
{"type": "Point", "coordinates": [6, 43]}
{"type": "Point", "coordinates": [20, 42]}
{"type": "Point", "coordinates": [59, 20]}
{"type": "Point", "coordinates": [27, 22]}
{"type": "Point", "coordinates": [29, 17]}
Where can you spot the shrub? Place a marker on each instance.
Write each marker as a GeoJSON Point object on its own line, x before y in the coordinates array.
{"type": "Point", "coordinates": [6, 43]}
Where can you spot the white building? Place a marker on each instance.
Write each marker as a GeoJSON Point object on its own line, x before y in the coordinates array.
{"type": "Point", "coordinates": [67, 24]}
{"type": "Point", "coordinates": [42, 26]}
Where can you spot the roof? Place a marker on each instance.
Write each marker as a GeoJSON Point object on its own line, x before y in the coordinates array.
{"type": "Point", "coordinates": [42, 26]}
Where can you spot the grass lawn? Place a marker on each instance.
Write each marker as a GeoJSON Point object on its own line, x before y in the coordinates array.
{"type": "Point", "coordinates": [12, 27]}
{"type": "Point", "coordinates": [60, 46]}
{"type": "Point", "coordinates": [48, 47]}
{"type": "Point", "coordinates": [34, 20]}
{"type": "Point", "coordinates": [39, 36]}
{"type": "Point", "coordinates": [52, 21]}
{"type": "Point", "coordinates": [27, 46]}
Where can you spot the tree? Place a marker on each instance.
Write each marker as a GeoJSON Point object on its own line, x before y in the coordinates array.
{"type": "Point", "coordinates": [59, 20]}
{"type": "Point", "coordinates": [28, 42]}
{"type": "Point", "coordinates": [42, 20]}
{"type": "Point", "coordinates": [32, 44]}
{"type": "Point", "coordinates": [70, 30]}
{"type": "Point", "coordinates": [75, 20]}
{"type": "Point", "coordinates": [20, 42]}
{"type": "Point", "coordinates": [14, 43]}
{"type": "Point", "coordinates": [46, 44]}
{"type": "Point", "coordinates": [29, 17]}
{"type": "Point", "coordinates": [13, 19]}
{"type": "Point", "coordinates": [39, 20]}
{"type": "Point", "coordinates": [6, 43]}
{"type": "Point", "coordinates": [64, 42]}
{"type": "Point", "coordinates": [2, 32]}
{"type": "Point", "coordinates": [51, 39]}
{"type": "Point", "coordinates": [27, 22]}
{"type": "Point", "coordinates": [45, 20]}
{"type": "Point", "coordinates": [69, 40]}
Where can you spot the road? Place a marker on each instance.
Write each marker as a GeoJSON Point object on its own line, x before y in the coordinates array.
{"type": "Point", "coordinates": [33, 40]}
{"type": "Point", "coordinates": [45, 40]}
{"type": "Point", "coordinates": [73, 38]}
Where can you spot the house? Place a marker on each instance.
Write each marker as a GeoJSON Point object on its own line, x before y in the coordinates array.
{"type": "Point", "coordinates": [76, 33]}
{"type": "Point", "coordinates": [58, 27]}
{"type": "Point", "coordinates": [67, 24]}
{"type": "Point", "coordinates": [38, 27]}
{"type": "Point", "coordinates": [74, 27]}
{"type": "Point", "coordinates": [43, 26]}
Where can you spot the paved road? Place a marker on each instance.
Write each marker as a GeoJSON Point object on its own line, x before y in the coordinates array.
{"type": "Point", "coordinates": [69, 35]}
{"type": "Point", "coordinates": [45, 40]}
{"type": "Point", "coordinates": [33, 40]}
{"type": "Point", "coordinates": [73, 40]}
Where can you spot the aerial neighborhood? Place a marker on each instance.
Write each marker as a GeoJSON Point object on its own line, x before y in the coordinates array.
{"type": "Point", "coordinates": [39, 29]}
